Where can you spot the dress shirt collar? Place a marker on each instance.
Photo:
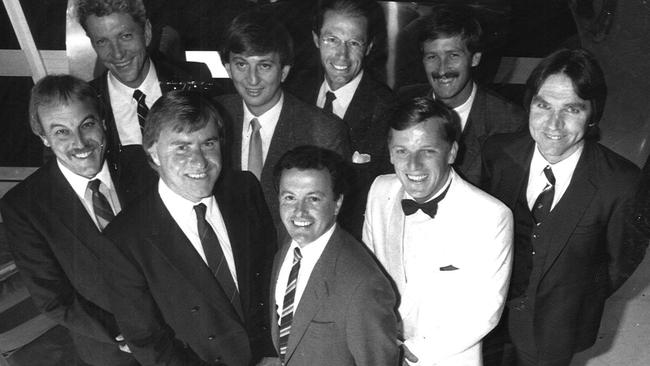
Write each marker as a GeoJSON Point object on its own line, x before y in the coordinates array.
{"type": "Point", "coordinates": [316, 247]}
{"type": "Point", "coordinates": [124, 94]}
{"type": "Point", "coordinates": [561, 170]}
{"type": "Point", "coordinates": [343, 94]}
{"type": "Point", "coordinates": [178, 205]}
{"type": "Point", "coordinates": [80, 184]}
{"type": "Point", "coordinates": [464, 109]}
{"type": "Point", "coordinates": [267, 120]}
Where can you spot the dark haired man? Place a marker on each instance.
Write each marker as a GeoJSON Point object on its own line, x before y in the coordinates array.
{"type": "Point", "coordinates": [334, 306]}
{"type": "Point", "coordinates": [55, 217]}
{"type": "Point", "coordinates": [191, 283]}
{"type": "Point", "coordinates": [570, 197]}
{"type": "Point", "coordinates": [120, 34]}
{"type": "Point", "coordinates": [451, 46]}
{"type": "Point", "coordinates": [266, 121]}
{"type": "Point", "coordinates": [445, 243]}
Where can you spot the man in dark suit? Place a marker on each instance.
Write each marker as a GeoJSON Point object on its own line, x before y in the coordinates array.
{"type": "Point", "coordinates": [265, 122]}
{"type": "Point", "coordinates": [192, 280]}
{"type": "Point", "coordinates": [120, 33]}
{"type": "Point", "coordinates": [570, 197]}
{"type": "Point", "coordinates": [54, 218]}
{"type": "Point", "coordinates": [334, 306]}
{"type": "Point", "coordinates": [343, 32]}
{"type": "Point", "coordinates": [450, 42]}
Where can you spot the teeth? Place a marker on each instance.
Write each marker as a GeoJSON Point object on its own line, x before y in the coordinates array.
{"type": "Point", "coordinates": [82, 155]}
{"type": "Point", "coordinates": [417, 178]}
{"type": "Point", "coordinates": [254, 92]}
{"type": "Point", "coordinates": [301, 223]}
{"type": "Point", "coordinates": [197, 176]}
{"type": "Point", "coordinates": [340, 68]}
{"type": "Point", "coordinates": [553, 137]}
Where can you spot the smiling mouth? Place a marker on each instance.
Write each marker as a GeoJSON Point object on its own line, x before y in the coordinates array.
{"type": "Point", "coordinates": [254, 92]}
{"type": "Point", "coordinates": [122, 65]}
{"type": "Point", "coordinates": [197, 175]}
{"type": "Point", "coordinates": [553, 137]}
{"type": "Point", "coordinates": [340, 68]}
{"type": "Point", "coordinates": [417, 178]}
{"type": "Point", "coordinates": [301, 223]}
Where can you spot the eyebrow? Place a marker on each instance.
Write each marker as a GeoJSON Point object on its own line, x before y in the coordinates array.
{"type": "Point", "coordinates": [90, 116]}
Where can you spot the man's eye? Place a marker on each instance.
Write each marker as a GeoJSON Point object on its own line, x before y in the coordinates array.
{"type": "Point", "coordinates": [314, 199]}
{"type": "Point", "coordinates": [89, 123]}
{"type": "Point", "coordinates": [355, 44]}
{"type": "Point", "coordinates": [100, 42]}
{"type": "Point", "coordinates": [573, 110]}
{"type": "Point", "coordinates": [127, 36]}
{"type": "Point", "coordinates": [265, 66]}
{"type": "Point", "coordinates": [241, 65]}
{"type": "Point", "coordinates": [61, 132]}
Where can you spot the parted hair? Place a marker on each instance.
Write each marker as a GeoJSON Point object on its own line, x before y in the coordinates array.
{"type": "Point", "coordinates": [417, 110]}
{"type": "Point", "coordinates": [354, 8]}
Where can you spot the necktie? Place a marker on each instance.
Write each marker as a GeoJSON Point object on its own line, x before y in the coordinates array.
{"type": "Point", "coordinates": [430, 208]}
{"type": "Point", "coordinates": [287, 304]}
{"type": "Point", "coordinates": [103, 211]}
{"type": "Point", "coordinates": [142, 110]}
{"type": "Point", "coordinates": [255, 159]}
{"type": "Point", "coordinates": [214, 256]}
{"type": "Point", "coordinates": [544, 201]}
{"type": "Point", "coordinates": [329, 98]}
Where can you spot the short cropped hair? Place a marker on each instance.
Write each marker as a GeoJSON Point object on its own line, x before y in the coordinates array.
{"type": "Point", "coordinates": [100, 8]}
{"type": "Point", "coordinates": [354, 8]}
{"type": "Point", "coordinates": [313, 157]}
{"type": "Point", "coordinates": [449, 21]}
{"type": "Point", "coordinates": [585, 73]}
{"type": "Point", "coordinates": [257, 33]}
{"type": "Point", "coordinates": [59, 89]}
{"type": "Point", "coordinates": [180, 111]}
{"type": "Point", "coordinates": [421, 109]}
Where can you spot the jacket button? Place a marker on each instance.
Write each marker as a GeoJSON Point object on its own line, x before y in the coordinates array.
{"type": "Point", "coordinates": [211, 337]}
{"type": "Point", "coordinates": [257, 274]}
{"type": "Point", "coordinates": [535, 236]}
{"type": "Point", "coordinates": [260, 304]}
{"type": "Point", "coordinates": [195, 309]}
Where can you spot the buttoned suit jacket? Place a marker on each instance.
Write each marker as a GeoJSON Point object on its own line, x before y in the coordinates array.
{"type": "Point", "coordinates": [587, 257]}
{"type": "Point", "coordinates": [474, 234]}
{"type": "Point", "coordinates": [346, 315]}
{"type": "Point", "coordinates": [491, 114]}
{"type": "Point", "coordinates": [133, 157]}
{"type": "Point", "coordinates": [298, 124]}
{"type": "Point", "coordinates": [170, 307]}
{"type": "Point", "coordinates": [60, 252]}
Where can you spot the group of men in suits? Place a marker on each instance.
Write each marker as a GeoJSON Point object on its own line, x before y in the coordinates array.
{"type": "Point", "coordinates": [153, 243]}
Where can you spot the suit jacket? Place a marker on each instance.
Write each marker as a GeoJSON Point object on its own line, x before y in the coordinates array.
{"type": "Point", "coordinates": [459, 291]}
{"type": "Point", "coordinates": [299, 124]}
{"type": "Point", "coordinates": [170, 307]}
{"type": "Point", "coordinates": [346, 314]}
{"type": "Point", "coordinates": [60, 252]}
{"type": "Point", "coordinates": [491, 114]}
{"type": "Point", "coordinates": [366, 117]}
{"type": "Point", "coordinates": [586, 259]}
{"type": "Point", "coordinates": [133, 157]}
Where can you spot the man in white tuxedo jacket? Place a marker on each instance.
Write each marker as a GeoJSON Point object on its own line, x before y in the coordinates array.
{"type": "Point", "coordinates": [446, 244]}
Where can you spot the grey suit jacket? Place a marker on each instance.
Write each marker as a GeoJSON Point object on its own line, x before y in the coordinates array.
{"type": "Point", "coordinates": [346, 315]}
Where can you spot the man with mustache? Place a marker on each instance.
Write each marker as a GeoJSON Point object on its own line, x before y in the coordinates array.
{"type": "Point", "coordinates": [451, 45]}
{"type": "Point", "coordinates": [56, 216]}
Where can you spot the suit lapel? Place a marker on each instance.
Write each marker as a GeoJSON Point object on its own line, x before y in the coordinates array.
{"type": "Point", "coordinates": [514, 170]}
{"type": "Point", "coordinates": [277, 263]}
{"type": "Point", "coordinates": [282, 137]}
{"type": "Point", "coordinates": [316, 292]}
{"type": "Point", "coordinates": [395, 234]}
{"type": "Point", "coordinates": [359, 107]}
{"type": "Point", "coordinates": [237, 126]}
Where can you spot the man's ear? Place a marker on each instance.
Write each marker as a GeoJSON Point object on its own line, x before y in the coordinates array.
{"type": "Point", "coordinates": [476, 59]}
{"type": "Point", "coordinates": [339, 203]}
{"type": "Point", "coordinates": [147, 33]}
{"type": "Point", "coordinates": [452, 153]}
{"type": "Point", "coordinates": [153, 154]}
{"type": "Point", "coordinates": [315, 37]}
{"type": "Point", "coordinates": [45, 140]}
{"type": "Point", "coordinates": [369, 48]}
{"type": "Point", "coordinates": [285, 71]}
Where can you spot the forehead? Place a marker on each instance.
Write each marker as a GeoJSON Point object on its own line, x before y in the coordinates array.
{"type": "Point", "coordinates": [179, 131]}
{"type": "Point", "coordinates": [341, 22]}
{"type": "Point", "coordinates": [252, 58]}
{"type": "Point", "coordinates": [445, 43]}
{"type": "Point", "coordinates": [111, 23]}
{"type": "Point", "coordinates": [71, 111]}
{"type": "Point", "coordinates": [559, 87]}
{"type": "Point", "coordinates": [427, 132]}
{"type": "Point", "coordinates": [306, 179]}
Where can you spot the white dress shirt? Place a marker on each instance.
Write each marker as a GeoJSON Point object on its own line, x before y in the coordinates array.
{"type": "Point", "coordinates": [80, 186]}
{"type": "Point", "coordinates": [182, 211]}
{"type": "Point", "coordinates": [125, 107]}
{"type": "Point", "coordinates": [563, 172]}
{"type": "Point", "coordinates": [343, 94]}
{"type": "Point", "coordinates": [310, 254]}
{"type": "Point", "coordinates": [268, 120]}
{"type": "Point", "coordinates": [464, 109]}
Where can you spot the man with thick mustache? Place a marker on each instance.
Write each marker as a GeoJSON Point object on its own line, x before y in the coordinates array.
{"type": "Point", "coordinates": [55, 217]}
{"type": "Point", "coordinates": [451, 45]}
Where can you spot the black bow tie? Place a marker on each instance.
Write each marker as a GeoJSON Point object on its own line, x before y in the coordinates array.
{"type": "Point", "coordinates": [430, 208]}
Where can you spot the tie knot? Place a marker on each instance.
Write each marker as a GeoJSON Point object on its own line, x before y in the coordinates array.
{"type": "Point", "coordinates": [200, 210]}
{"type": "Point", "coordinates": [139, 96]}
{"type": "Point", "coordinates": [430, 208]}
{"type": "Point", "coordinates": [548, 172]}
{"type": "Point", "coordinates": [329, 97]}
{"type": "Point", "coordinates": [255, 125]}
{"type": "Point", "coordinates": [297, 255]}
{"type": "Point", "coordinates": [93, 185]}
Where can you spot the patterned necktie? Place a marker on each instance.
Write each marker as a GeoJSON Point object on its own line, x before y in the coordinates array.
{"type": "Point", "coordinates": [544, 201]}
{"type": "Point", "coordinates": [430, 208]}
{"type": "Point", "coordinates": [287, 304]}
{"type": "Point", "coordinates": [103, 211]}
{"type": "Point", "coordinates": [255, 159]}
{"type": "Point", "coordinates": [142, 110]}
{"type": "Point", "coordinates": [329, 98]}
{"type": "Point", "coordinates": [215, 258]}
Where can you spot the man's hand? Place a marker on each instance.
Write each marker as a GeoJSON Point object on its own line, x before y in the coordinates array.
{"type": "Point", "coordinates": [269, 361]}
{"type": "Point", "coordinates": [122, 344]}
{"type": "Point", "coordinates": [408, 356]}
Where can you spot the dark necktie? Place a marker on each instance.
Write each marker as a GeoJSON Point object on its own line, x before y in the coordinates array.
{"type": "Point", "coordinates": [142, 110]}
{"type": "Point", "coordinates": [287, 304]}
{"type": "Point", "coordinates": [255, 158]}
{"type": "Point", "coordinates": [103, 211]}
{"type": "Point", "coordinates": [329, 98]}
{"type": "Point", "coordinates": [430, 208]}
{"type": "Point", "coordinates": [544, 201]}
{"type": "Point", "coordinates": [214, 256]}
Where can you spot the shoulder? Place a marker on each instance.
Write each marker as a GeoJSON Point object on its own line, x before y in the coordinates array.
{"type": "Point", "coordinates": [613, 167]}
{"type": "Point", "coordinates": [179, 70]}
{"type": "Point", "coordinates": [384, 186]}
{"type": "Point", "coordinates": [136, 217]}
{"type": "Point", "coordinates": [496, 144]}
{"type": "Point", "coordinates": [310, 113]}
{"type": "Point", "coordinates": [483, 204]}
{"type": "Point", "coordinates": [355, 260]}
{"type": "Point", "coordinates": [499, 109]}
{"type": "Point", "coordinates": [31, 188]}
{"type": "Point", "coordinates": [228, 101]}
{"type": "Point", "coordinates": [236, 182]}
{"type": "Point", "coordinates": [376, 88]}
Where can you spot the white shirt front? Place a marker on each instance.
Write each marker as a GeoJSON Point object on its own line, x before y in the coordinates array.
{"type": "Point", "coordinates": [563, 172]}
{"type": "Point", "coordinates": [125, 107]}
{"type": "Point", "coordinates": [310, 255]}
{"type": "Point", "coordinates": [268, 120]}
{"type": "Point", "coordinates": [80, 186]}
{"type": "Point", "coordinates": [464, 109]}
{"type": "Point", "coordinates": [343, 94]}
{"type": "Point", "coordinates": [182, 211]}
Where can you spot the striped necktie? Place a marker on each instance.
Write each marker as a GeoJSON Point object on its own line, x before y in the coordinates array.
{"type": "Point", "coordinates": [287, 304]}
{"type": "Point", "coordinates": [103, 211]}
{"type": "Point", "coordinates": [544, 201]}
{"type": "Point", "coordinates": [142, 110]}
